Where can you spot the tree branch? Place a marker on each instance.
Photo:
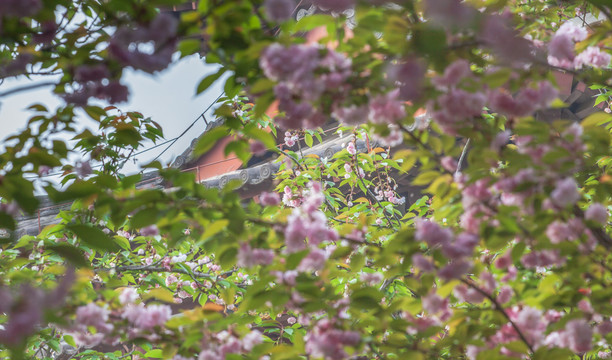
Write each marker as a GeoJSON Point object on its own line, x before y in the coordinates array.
{"type": "Point", "coordinates": [26, 88]}
{"type": "Point", "coordinates": [499, 308]}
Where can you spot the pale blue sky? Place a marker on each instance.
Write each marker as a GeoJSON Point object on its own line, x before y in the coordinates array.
{"type": "Point", "coordinates": [167, 97]}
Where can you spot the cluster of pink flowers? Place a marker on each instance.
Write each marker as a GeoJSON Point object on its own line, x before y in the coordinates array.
{"type": "Point", "coordinates": [371, 279]}
{"type": "Point", "coordinates": [576, 335]}
{"type": "Point", "coordinates": [543, 258]}
{"type": "Point", "coordinates": [325, 341]}
{"type": "Point", "coordinates": [290, 138]}
{"type": "Point", "coordinates": [525, 102]}
{"type": "Point", "coordinates": [561, 49]}
{"type": "Point", "coordinates": [394, 138]}
{"type": "Point", "coordinates": [291, 199]}
{"type": "Point", "coordinates": [83, 169]}
{"type": "Point", "coordinates": [435, 305]}
{"type": "Point", "coordinates": [386, 108]}
{"type": "Point", "coordinates": [390, 195]}
{"type": "Point", "coordinates": [314, 261]}
{"type": "Point", "coordinates": [350, 148]}
{"type": "Point", "coordinates": [305, 74]}
{"type": "Point", "coordinates": [597, 213]}
{"type": "Point", "coordinates": [96, 81]}
{"type": "Point", "coordinates": [95, 316]}
{"type": "Point", "coordinates": [249, 257]}
{"type": "Point", "coordinates": [20, 8]}
{"type": "Point", "coordinates": [279, 10]}
{"type": "Point", "coordinates": [565, 193]}
{"type": "Point", "coordinates": [269, 199]}
{"type": "Point", "coordinates": [150, 230]}
{"type": "Point", "coordinates": [308, 222]}
{"type": "Point", "coordinates": [11, 208]}
{"type": "Point", "coordinates": [25, 307]}
{"type": "Point", "coordinates": [15, 66]}
{"type": "Point", "coordinates": [130, 45]}
{"type": "Point", "coordinates": [334, 5]}
{"type": "Point", "coordinates": [146, 317]}
{"type": "Point", "coordinates": [457, 249]}
{"type": "Point", "coordinates": [218, 345]}
{"type": "Point", "coordinates": [456, 106]}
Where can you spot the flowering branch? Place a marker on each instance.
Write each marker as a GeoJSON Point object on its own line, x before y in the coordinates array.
{"type": "Point", "coordinates": [26, 88]}
{"type": "Point", "coordinates": [149, 268]}
{"type": "Point", "coordinates": [499, 308]}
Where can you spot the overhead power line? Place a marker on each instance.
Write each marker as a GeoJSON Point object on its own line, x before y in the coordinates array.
{"type": "Point", "coordinates": [201, 116]}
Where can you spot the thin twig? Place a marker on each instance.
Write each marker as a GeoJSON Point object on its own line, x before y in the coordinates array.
{"type": "Point", "coordinates": [149, 268]}
{"type": "Point", "coordinates": [26, 88]}
{"type": "Point", "coordinates": [499, 308]}
{"type": "Point", "coordinates": [462, 157]}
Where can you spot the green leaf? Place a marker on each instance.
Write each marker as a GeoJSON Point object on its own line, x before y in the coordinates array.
{"type": "Point", "coordinates": [79, 189]}
{"type": "Point", "coordinates": [209, 139]}
{"type": "Point", "coordinates": [189, 46]}
{"type": "Point", "coordinates": [426, 177]}
{"type": "Point", "coordinates": [160, 294]}
{"type": "Point", "coordinates": [145, 217]}
{"type": "Point", "coordinates": [258, 134]}
{"type": "Point", "coordinates": [209, 80]}
{"type": "Point", "coordinates": [156, 354]}
{"type": "Point", "coordinates": [599, 118]}
{"type": "Point", "coordinates": [93, 237]}
{"type": "Point", "coordinates": [308, 139]}
{"type": "Point", "coordinates": [214, 228]}
{"type": "Point", "coordinates": [95, 112]}
{"type": "Point", "coordinates": [70, 253]}
{"type": "Point", "coordinates": [123, 242]}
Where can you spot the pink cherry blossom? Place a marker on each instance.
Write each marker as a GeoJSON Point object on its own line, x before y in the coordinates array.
{"type": "Point", "coordinates": [350, 148]}
{"type": "Point", "coordinates": [150, 230]}
{"type": "Point", "coordinates": [505, 294]}
{"type": "Point", "coordinates": [409, 77]}
{"type": "Point", "coordinates": [386, 109]}
{"type": "Point", "coordinates": [269, 199]}
{"type": "Point", "coordinates": [249, 257]}
{"type": "Point", "coordinates": [579, 335]}
{"type": "Point", "coordinates": [565, 193]}
{"type": "Point", "coordinates": [592, 56]}
{"type": "Point", "coordinates": [422, 263]}
{"type": "Point", "coordinates": [314, 261]}
{"type": "Point", "coordinates": [93, 315]}
{"type": "Point", "coordinates": [468, 294]}
{"type": "Point", "coordinates": [20, 8]}
{"type": "Point", "coordinates": [449, 164]}
{"type": "Point", "coordinates": [279, 10]}
{"type": "Point", "coordinates": [597, 213]}
{"type": "Point", "coordinates": [371, 278]}
{"type": "Point", "coordinates": [558, 232]}
{"type": "Point", "coordinates": [454, 270]}
{"type": "Point", "coordinates": [561, 47]}
{"type": "Point", "coordinates": [432, 233]}
{"type": "Point", "coordinates": [334, 5]}
{"type": "Point", "coordinates": [327, 342]}
{"type": "Point", "coordinates": [573, 31]}
{"type": "Point", "coordinates": [128, 295]}
{"type": "Point", "coordinates": [251, 339]}
{"type": "Point", "coordinates": [433, 303]}
{"type": "Point", "coordinates": [454, 73]}
{"type": "Point", "coordinates": [146, 318]}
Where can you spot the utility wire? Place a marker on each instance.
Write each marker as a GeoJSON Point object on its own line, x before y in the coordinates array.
{"type": "Point", "coordinates": [172, 141]}
{"type": "Point", "coordinates": [189, 127]}
{"type": "Point", "coordinates": [99, 165]}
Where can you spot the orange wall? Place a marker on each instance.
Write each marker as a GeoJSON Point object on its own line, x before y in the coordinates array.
{"type": "Point", "coordinates": [215, 163]}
